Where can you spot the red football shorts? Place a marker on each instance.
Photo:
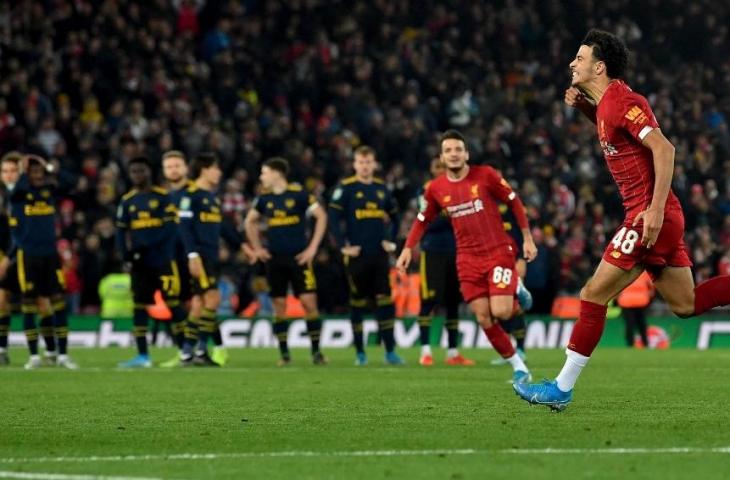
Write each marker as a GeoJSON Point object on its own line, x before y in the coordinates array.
{"type": "Point", "coordinates": [625, 250]}
{"type": "Point", "coordinates": [487, 276]}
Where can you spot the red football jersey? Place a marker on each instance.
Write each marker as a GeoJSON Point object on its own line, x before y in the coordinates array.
{"type": "Point", "coordinates": [624, 118]}
{"type": "Point", "coordinates": [471, 204]}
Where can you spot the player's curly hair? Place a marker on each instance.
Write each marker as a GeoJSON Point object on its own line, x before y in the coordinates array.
{"type": "Point", "coordinates": [609, 49]}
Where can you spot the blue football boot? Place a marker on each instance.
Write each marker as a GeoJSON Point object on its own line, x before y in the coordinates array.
{"type": "Point", "coordinates": [520, 376]}
{"type": "Point", "coordinates": [392, 358]}
{"type": "Point", "coordinates": [524, 297]}
{"type": "Point", "coordinates": [545, 393]}
{"type": "Point", "coordinates": [140, 361]}
{"type": "Point", "coordinates": [361, 359]}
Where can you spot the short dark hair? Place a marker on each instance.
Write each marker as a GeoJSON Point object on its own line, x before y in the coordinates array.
{"type": "Point", "coordinates": [141, 159]}
{"type": "Point", "coordinates": [452, 135]}
{"type": "Point", "coordinates": [365, 150]}
{"type": "Point", "coordinates": [279, 164]}
{"type": "Point", "coordinates": [201, 161]}
{"type": "Point", "coordinates": [609, 49]}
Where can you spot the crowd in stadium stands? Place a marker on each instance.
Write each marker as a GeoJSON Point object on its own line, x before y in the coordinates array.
{"type": "Point", "coordinates": [94, 83]}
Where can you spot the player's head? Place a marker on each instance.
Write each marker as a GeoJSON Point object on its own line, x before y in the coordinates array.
{"type": "Point", "coordinates": [205, 167]}
{"type": "Point", "coordinates": [364, 161]}
{"type": "Point", "coordinates": [437, 166]}
{"type": "Point", "coordinates": [140, 172]}
{"type": "Point", "coordinates": [274, 170]}
{"type": "Point", "coordinates": [174, 166]}
{"type": "Point", "coordinates": [36, 170]}
{"type": "Point", "coordinates": [600, 54]}
{"type": "Point", "coordinates": [454, 153]}
{"type": "Point", "coordinates": [10, 168]}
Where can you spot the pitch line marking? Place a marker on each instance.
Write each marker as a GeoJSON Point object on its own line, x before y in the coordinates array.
{"type": "Point", "coordinates": [614, 451]}
{"type": "Point", "coordinates": [367, 453]}
{"type": "Point", "coordinates": [213, 456]}
{"type": "Point", "coordinates": [61, 476]}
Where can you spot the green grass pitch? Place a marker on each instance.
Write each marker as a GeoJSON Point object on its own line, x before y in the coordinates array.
{"type": "Point", "coordinates": [636, 414]}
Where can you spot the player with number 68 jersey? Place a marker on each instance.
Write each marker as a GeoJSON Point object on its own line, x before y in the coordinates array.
{"type": "Point", "coordinates": [485, 257]}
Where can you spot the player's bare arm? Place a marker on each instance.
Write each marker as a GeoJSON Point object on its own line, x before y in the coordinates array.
{"type": "Point", "coordinates": [663, 155]}
{"type": "Point", "coordinates": [404, 260]}
{"type": "Point", "coordinates": [320, 226]}
{"type": "Point", "coordinates": [422, 220]}
{"type": "Point", "coordinates": [251, 226]}
{"type": "Point", "coordinates": [529, 248]}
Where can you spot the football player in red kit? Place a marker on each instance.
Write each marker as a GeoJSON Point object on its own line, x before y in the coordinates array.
{"type": "Point", "coordinates": [641, 161]}
{"type": "Point", "coordinates": [485, 260]}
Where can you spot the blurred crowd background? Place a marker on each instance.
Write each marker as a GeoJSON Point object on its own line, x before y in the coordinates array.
{"type": "Point", "coordinates": [94, 83]}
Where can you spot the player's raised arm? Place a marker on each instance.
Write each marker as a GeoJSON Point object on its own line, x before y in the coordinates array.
{"type": "Point", "coordinates": [577, 99]}
{"type": "Point", "coordinates": [428, 212]}
{"type": "Point", "coordinates": [501, 189]}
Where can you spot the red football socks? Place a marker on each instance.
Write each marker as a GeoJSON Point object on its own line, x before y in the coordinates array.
{"type": "Point", "coordinates": [500, 340]}
{"type": "Point", "coordinates": [588, 329]}
{"type": "Point", "coordinates": [712, 293]}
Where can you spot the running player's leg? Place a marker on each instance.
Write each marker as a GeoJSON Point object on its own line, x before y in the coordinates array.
{"type": "Point", "coordinates": [677, 287]}
{"type": "Point", "coordinates": [500, 341]}
{"type": "Point", "coordinates": [481, 282]}
{"type": "Point", "coordinates": [515, 324]}
{"type": "Point", "coordinates": [502, 281]}
{"type": "Point", "coordinates": [606, 283]}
